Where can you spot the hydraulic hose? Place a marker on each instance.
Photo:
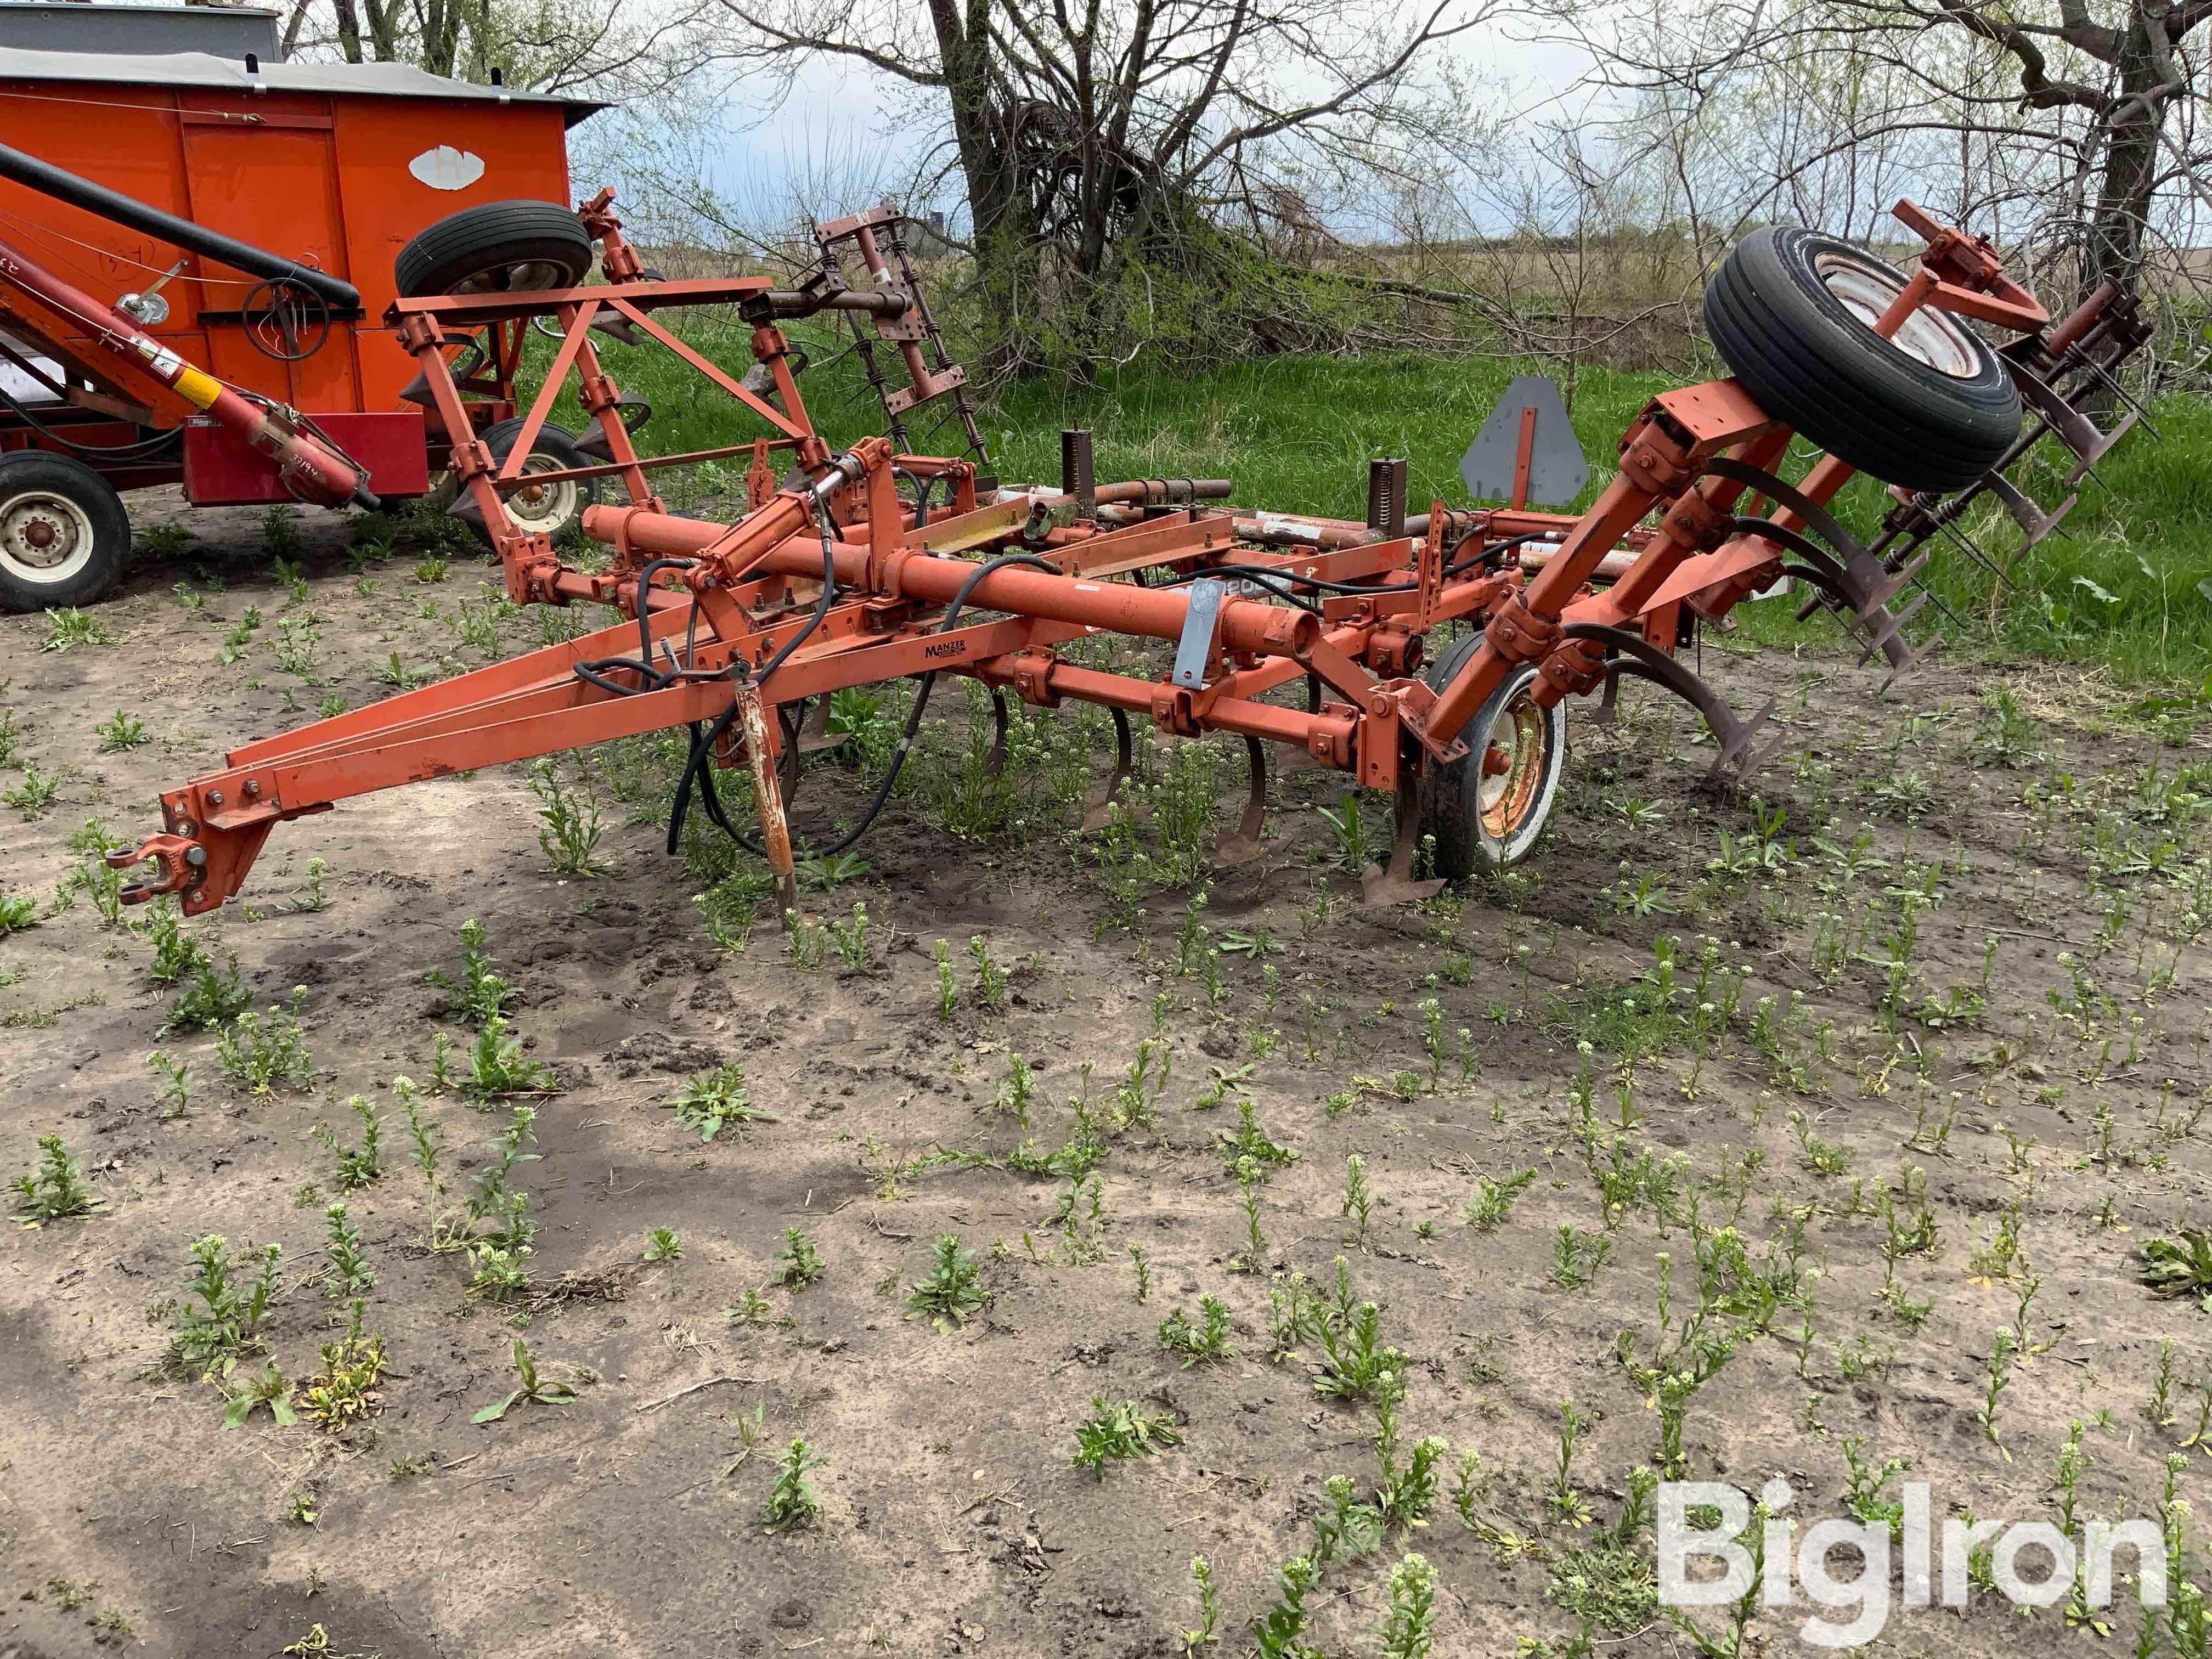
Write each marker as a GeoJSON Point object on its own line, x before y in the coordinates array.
{"type": "Point", "coordinates": [695, 767]}
{"type": "Point", "coordinates": [882, 794]}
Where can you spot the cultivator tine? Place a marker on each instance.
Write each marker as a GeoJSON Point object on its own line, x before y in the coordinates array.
{"type": "Point", "coordinates": [1243, 843]}
{"type": "Point", "coordinates": [1882, 625]}
{"type": "Point", "coordinates": [1994, 567]}
{"type": "Point", "coordinates": [814, 733]}
{"type": "Point", "coordinates": [1949, 615]}
{"type": "Point", "coordinates": [1883, 592]}
{"type": "Point", "coordinates": [1608, 705]}
{"type": "Point", "coordinates": [1831, 594]}
{"type": "Point", "coordinates": [1383, 885]}
{"type": "Point", "coordinates": [2075, 429]}
{"type": "Point", "coordinates": [1639, 656]}
{"type": "Point", "coordinates": [1859, 586]}
{"type": "Point", "coordinates": [633, 412]}
{"type": "Point", "coordinates": [995, 761]}
{"type": "Point", "coordinates": [619, 328]}
{"type": "Point", "coordinates": [1736, 752]}
{"type": "Point", "coordinates": [2111, 385]}
{"type": "Point", "coordinates": [2088, 469]}
{"type": "Point", "coordinates": [1125, 763]}
{"type": "Point", "coordinates": [2035, 524]}
{"type": "Point", "coordinates": [1919, 655]}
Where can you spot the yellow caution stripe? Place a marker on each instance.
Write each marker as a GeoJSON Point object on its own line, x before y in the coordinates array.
{"type": "Point", "coordinates": [202, 388]}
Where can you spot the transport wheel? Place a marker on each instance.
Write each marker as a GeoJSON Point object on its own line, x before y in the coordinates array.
{"type": "Point", "coordinates": [551, 510]}
{"type": "Point", "coordinates": [65, 537]}
{"type": "Point", "coordinates": [1791, 312]}
{"type": "Point", "coordinates": [496, 247]}
{"type": "Point", "coordinates": [1488, 809]}
{"type": "Point", "coordinates": [1792, 315]}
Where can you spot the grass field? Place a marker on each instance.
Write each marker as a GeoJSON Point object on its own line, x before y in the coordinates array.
{"type": "Point", "coordinates": [2127, 582]}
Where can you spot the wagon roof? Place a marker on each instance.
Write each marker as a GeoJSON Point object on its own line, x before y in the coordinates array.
{"type": "Point", "coordinates": [200, 69]}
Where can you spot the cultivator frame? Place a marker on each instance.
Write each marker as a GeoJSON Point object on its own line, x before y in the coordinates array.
{"type": "Point", "coordinates": [836, 578]}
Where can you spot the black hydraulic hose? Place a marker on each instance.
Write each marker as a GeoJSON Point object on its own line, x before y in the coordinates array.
{"type": "Point", "coordinates": [907, 735]}
{"type": "Point", "coordinates": [49, 181]}
{"type": "Point", "coordinates": [1277, 572]}
{"type": "Point", "coordinates": [694, 766]}
{"type": "Point", "coordinates": [921, 695]}
{"type": "Point", "coordinates": [1260, 576]}
{"type": "Point", "coordinates": [138, 449]}
{"type": "Point", "coordinates": [649, 679]}
{"type": "Point", "coordinates": [645, 611]}
{"type": "Point", "coordinates": [822, 606]}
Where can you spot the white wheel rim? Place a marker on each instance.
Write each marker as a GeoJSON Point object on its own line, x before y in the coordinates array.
{"type": "Point", "coordinates": [544, 510]}
{"type": "Point", "coordinates": [1928, 337]}
{"type": "Point", "coordinates": [527, 276]}
{"type": "Point", "coordinates": [46, 538]}
{"type": "Point", "coordinates": [1515, 758]}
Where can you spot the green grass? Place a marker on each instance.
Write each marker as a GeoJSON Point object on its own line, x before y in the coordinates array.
{"type": "Point", "coordinates": [1296, 434]}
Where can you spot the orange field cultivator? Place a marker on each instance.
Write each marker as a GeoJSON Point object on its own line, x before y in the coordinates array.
{"type": "Point", "coordinates": [870, 564]}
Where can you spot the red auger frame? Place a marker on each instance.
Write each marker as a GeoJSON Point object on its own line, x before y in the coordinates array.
{"type": "Point", "coordinates": [835, 579]}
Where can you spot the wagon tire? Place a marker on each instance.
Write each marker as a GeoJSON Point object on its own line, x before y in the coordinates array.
{"type": "Point", "coordinates": [496, 247]}
{"type": "Point", "coordinates": [1790, 313]}
{"type": "Point", "coordinates": [553, 510]}
{"type": "Point", "coordinates": [64, 537]}
{"type": "Point", "coordinates": [1486, 816]}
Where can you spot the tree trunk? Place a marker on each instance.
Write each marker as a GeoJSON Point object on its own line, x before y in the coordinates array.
{"type": "Point", "coordinates": [963, 48]}
{"type": "Point", "coordinates": [383, 30]}
{"type": "Point", "coordinates": [2115, 250]}
{"type": "Point", "coordinates": [349, 20]}
{"type": "Point", "coordinates": [982, 131]}
{"type": "Point", "coordinates": [442, 36]}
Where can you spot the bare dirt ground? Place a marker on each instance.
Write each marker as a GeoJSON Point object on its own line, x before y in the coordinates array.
{"type": "Point", "coordinates": [1929, 1061]}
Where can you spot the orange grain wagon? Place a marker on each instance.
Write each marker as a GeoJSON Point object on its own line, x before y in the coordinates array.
{"type": "Point", "coordinates": [334, 169]}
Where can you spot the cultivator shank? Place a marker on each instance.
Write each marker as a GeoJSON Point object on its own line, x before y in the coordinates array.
{"type": "Point", "coordinates": [836, 577]}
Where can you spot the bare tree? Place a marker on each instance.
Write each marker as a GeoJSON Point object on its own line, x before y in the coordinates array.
{"type": "Point", "coordinates": [2072, 120]}
{"type": "Point", "coordinates": [1092, 136]}
{"type": "Point", "coordinates": [610, 48]}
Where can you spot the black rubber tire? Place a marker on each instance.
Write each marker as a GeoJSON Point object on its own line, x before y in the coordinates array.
{"type": "Point", "coordinates": [1811, 362]}
{"type": "Point", "coordinates": [557, 445]}
{"type": "Point", "coordinates": [97, 531]}
{"type": "Point", "coordinates": [491, 237]}
{"type": "Point", "coordinates": [1450, 796]}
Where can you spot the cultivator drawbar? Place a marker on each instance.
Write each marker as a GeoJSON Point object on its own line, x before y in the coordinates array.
{"type": "Point", "coordinates": [871, 563]}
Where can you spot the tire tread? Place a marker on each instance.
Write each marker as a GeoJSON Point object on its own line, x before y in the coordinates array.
{"type": "Point", "coordinates": [1810, 363]}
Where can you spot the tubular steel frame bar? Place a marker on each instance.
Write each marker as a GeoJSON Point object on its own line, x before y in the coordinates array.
{"type": "Point", "coordinates": [730, 597]}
